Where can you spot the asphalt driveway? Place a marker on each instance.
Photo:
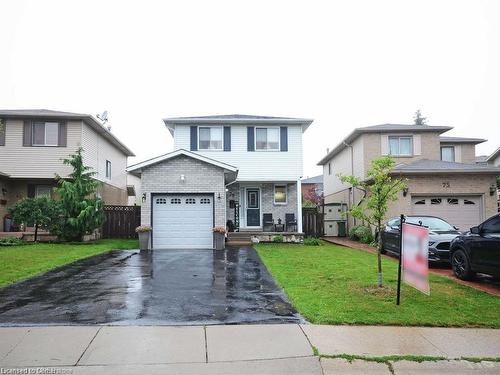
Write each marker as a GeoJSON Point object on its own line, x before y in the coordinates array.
{"type": "Point", "coordinates": [169, 287]}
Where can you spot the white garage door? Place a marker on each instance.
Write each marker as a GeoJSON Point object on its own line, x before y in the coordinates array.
{"type": "Point", "coordinates": [182, 221]}
{"type": "Point", "coordinates": [463, 211]}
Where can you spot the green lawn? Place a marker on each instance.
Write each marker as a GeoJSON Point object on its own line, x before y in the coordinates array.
{"type": "Point", "coordinates": [331, 284]}
{"type": "Point", "coordinates": [20, 262]}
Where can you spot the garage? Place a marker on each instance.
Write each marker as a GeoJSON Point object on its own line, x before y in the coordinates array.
{"type": "Point", "coordinates": [462, 211]}
{"type": "Point", "coordinates": [183, 221]}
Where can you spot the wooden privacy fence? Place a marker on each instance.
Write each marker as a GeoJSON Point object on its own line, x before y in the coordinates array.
{"type": "Point", "coordinates": [312, 222]}
{"type": "Point", "coordinates": [121, 221]}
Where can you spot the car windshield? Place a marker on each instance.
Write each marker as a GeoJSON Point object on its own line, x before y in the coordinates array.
{"type": "Point", "coordinates": [433, 223]}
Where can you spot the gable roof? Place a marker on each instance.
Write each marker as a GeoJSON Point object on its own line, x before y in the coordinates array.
{"type": "Point", "coordinates": [49, 114]}
{"type": "Point", "coordinates": [494, 155]}
{"type": "Point", "coordinates": [236, 119]}
{"type": "Point", "coordinates": [139, 166]}
{"type": "Point", "coordinates": [382, 128]}
{"type": "Point", "coordinates": [313, 180]}
{"type": "Point", "coordinates": [461, 140]}
{"type": "Point", "coordinates": [424, 166]}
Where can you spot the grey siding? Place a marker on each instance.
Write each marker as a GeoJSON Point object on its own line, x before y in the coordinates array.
{"type": "Point", "coordinates": [200, 177]}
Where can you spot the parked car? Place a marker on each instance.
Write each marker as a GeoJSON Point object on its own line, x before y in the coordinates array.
{"type": "Point", "coordinates": [477, 250]}
{"type": "Point", "coordinates": [441, 233]}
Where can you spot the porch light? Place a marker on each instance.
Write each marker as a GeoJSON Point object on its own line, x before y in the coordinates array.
{"type": "Point", "coordinates": [405, 192]}
{"type": "Point", "coordinates": [183, 178]}
{"type": "Point", "coordinates": [493, 190]}
{"type": "Point", "coordinates": [143, 197]}
{"type": "Point", "coordinates": [219, 197]}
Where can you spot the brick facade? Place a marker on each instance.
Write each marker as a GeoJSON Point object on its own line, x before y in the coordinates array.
{"type": "Point", "coordinates": [267, 201]}
{"type": "Point", "coordinates": [200, 177]}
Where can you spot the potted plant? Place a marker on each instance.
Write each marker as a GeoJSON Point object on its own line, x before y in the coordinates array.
{"type": "Point", "coordinates": [220, 237]}
{"type": "Point", "coordinates": [144, 233]}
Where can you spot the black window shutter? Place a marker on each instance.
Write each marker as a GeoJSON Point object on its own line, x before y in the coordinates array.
{"type": "Point", "coordinates": [63, 134]}
{"type": "Point", "coordinates": [250, 138]}
{"type": "Point", "coordinates": [194, 138]}
{"type": "Point", "coordinates": [227, 138]}
{"type": "Point", "coordinates": [283, 138]}
{"type": "Point", "coordinates": [3, 129]}
{"type": "Point", "coordinates": [27, 134]}
{"type": "Point", "coordinates": [31, 190]}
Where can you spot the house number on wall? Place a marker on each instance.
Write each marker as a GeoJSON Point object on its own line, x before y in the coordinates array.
{"type": "Point", "coordinates": [446, 184]}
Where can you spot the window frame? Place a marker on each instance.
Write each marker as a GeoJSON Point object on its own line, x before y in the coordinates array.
{"type": "Point", "coordinates": [33, 144]}
{"type": "Point", "coordinates": [38, 195]}
{"type": "Point", "coordinates": [399, 137]}
{"type": "Point", "coordinates": [267, 142]}
{"type": "Point", "coordinates": [453, 153]}
{"type": "Point", "coordinates": [108, 175]}
{"type": "Point", "coordinates": [210, 127]}
{"type": "Point", "coordinates": [286, 194]}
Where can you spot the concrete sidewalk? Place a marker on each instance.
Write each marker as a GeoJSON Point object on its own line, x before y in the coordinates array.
{"type": "Point", "coordinates": [243, 349]}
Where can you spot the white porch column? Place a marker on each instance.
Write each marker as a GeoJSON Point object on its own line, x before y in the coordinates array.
{"type": "Point", "coordinates": [299, 206]}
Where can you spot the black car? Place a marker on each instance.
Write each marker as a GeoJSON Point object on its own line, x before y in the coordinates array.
{"type": "Point", "coordinates": [441, 233]}
{"type": "Point", "coordinates": [477, 250]}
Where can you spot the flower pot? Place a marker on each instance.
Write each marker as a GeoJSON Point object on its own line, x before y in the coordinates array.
{"type": "Point", "coordinates": [144, 240]}
{"type": "Point", "coordinates": [220, 241]}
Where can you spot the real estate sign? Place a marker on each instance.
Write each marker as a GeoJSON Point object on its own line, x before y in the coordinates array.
{"type": "Point", "coordinates": [415, 251]}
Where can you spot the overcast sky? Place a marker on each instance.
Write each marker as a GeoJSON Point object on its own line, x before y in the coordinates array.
{"type": "Point", "coordinates": [343, 63]}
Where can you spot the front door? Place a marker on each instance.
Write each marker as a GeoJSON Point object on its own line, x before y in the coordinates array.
{"type": "Point", "coordinates": [253, 208]}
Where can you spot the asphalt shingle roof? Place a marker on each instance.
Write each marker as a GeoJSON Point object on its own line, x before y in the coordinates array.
{"type": "Point", "coordinates": [461, 140]}
{"type": "Point", "coordinates": [439, 166]}
{"type": "Point", "coordinates": [313, 180]}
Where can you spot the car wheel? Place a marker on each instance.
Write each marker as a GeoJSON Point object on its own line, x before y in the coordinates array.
{"type": "Point", "coordinates": [461, 265]}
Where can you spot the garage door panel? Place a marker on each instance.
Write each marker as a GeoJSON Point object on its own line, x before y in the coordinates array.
{"type": "Point", "coordinates": [462, 211]}
{"type": "Point", "coordinates": [182, 221]}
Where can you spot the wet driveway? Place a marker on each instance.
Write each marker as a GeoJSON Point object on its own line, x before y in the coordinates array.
{"type": "Point", "coordinates": [157, 287]}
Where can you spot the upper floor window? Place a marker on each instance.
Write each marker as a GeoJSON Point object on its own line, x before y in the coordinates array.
{"type": "Point", "coordinates": [108, 169]}
{"type": "Point", "coordinates": [45, 134]}
{"type": "Point", "coordinates": [330, 168]}
{"type": "Point", "coordinates": [210, 138]}
{"type": "Point", "coordinates": [267, 139]}
{"type": "Point", "coordinates": [447, 153]}
{"type": "Point", "coordinates": [400, 146]}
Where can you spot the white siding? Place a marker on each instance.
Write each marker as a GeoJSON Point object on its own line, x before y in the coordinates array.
{"type": "Point", "coordinates": [254, 165]}
{"type": "Point", "coordinates": [36, 162]}
{"type": "Point", "coordinates": [96, 151]}
{"type": "Point", "coordinates": [341, 163]}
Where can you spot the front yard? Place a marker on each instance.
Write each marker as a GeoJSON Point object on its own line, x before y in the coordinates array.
{"type": "Point", "coordinates": [20, 262]}
{"type": "Point", "coordinates": [332, 284]}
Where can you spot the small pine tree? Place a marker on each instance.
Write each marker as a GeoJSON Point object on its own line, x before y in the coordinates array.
{"type": "Point", "coordinates": [82, 209]}
{"type": "Point", "coordinates": [419, 119]}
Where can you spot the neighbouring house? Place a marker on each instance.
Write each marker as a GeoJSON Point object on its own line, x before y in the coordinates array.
{"type": "Point", "coordinates": [238, 171]}
{"type": "Point", "coordinates": [443, 177]}
{"type": "Point", "coordinates": [33, 144]}
{"type": "Point", "coordinates": [312, 190]}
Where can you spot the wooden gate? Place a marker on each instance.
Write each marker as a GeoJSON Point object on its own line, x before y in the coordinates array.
{"type": "Point", "coordinates": [312, 222]}
{"type": "Point", "coordinates": [121, 221]}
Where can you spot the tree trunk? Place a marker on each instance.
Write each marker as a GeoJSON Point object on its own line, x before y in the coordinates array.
{"type": "Point", "coordinates": [379, 255]}
{"type": "Point", "coordinates": [36, 233]}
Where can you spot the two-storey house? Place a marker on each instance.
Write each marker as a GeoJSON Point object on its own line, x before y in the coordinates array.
{"type": "Point", "coordinates": [443, 178]}
{"type": "Point", "coordinates": [33, 144]}
{"type": "Point", "coordinates": [235, 170]}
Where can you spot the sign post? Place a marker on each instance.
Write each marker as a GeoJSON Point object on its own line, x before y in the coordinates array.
{"type": "Point", "coordinates": [413, 257]}
{"type": "Point", "coordinates": [401, 221]}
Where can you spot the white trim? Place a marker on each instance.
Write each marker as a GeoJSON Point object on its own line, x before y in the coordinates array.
{"type": "Point", "coordinates": [176, 153]}
{"type": "Point", "coordinates": [299, 206]}
{"type": "Point", "coordinates": [267, 128]}
{"type": "Point", "coordinates": [211, 126]}
{"type": "Point", "coordinates": [454, 153]}
{"type": "Point", "coordinates": [286, 195]}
